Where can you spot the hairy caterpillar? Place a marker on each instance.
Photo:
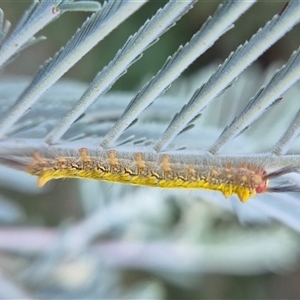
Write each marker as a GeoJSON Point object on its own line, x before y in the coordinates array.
{"type": "Point", "coordinates": [244, 181]}
{"type": "Point", "coordinates": [146, 168]}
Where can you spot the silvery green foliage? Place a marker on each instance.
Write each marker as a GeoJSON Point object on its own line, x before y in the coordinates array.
{"type": "Point", "coordinates": [48, 112]}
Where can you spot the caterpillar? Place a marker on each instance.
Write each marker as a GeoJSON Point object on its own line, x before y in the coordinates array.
{"type": "Point", "coordinates": [161, 170]}
{"type": "Point", "coordinates": [245, 180]}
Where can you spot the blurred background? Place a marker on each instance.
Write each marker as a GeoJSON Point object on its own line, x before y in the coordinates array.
{"type": "Point", "coordinates": [59, 32]}
{"type": "Point", "coordinates": [89, 240]}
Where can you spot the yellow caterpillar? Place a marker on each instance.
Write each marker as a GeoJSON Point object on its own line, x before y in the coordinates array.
{"type": "Point", "coordinates": [244, 181]}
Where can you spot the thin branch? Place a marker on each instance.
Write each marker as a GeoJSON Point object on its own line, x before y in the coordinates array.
{"type": "Point", "coordinates": [287, 139]}
{"type": "Point", "coordinates": [4, 27]}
